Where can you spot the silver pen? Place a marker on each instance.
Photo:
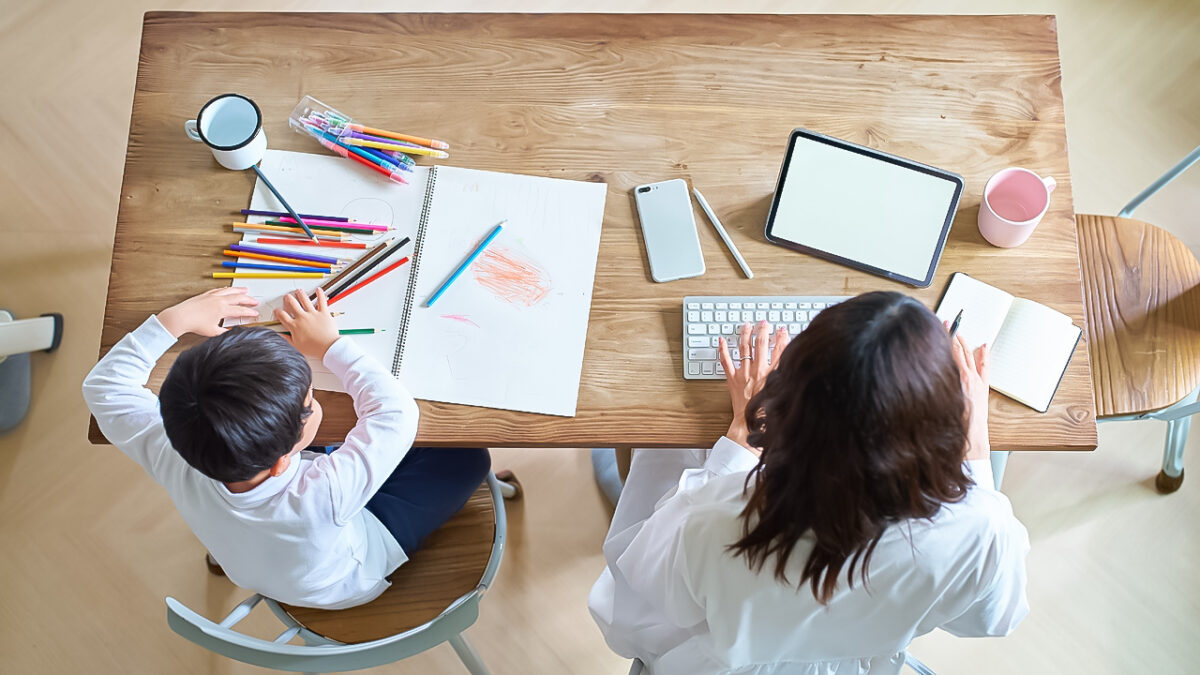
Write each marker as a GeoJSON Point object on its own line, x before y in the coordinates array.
{"type": "Point", "coordinates": [712, 217]}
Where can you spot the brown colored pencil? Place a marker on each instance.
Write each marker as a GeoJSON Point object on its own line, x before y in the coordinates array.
{"type": "Point", "coordinates": [366, 257]}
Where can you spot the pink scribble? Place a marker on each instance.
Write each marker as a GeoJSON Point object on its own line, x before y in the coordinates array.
{"type": "Point", "coordinates": [511, 278]}
{"type": "Point", "coordinates": [459, 317]}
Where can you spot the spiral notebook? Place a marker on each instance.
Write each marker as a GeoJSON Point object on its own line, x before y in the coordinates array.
{"type": "Point", "coordinates": [510, 332]}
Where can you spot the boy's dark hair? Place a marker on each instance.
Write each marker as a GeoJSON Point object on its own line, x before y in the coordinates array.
{"type": "Point", "coordinates": [235, 403]}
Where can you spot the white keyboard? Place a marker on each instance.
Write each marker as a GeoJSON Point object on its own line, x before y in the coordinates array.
{"type": "Point", "coordinates": [709, 317]}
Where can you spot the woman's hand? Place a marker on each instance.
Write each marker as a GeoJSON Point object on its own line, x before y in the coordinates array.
{"type": "Point", "coordinates": [312, 327]}
{"type": "Point", "coordinates": [973, 372]}
{"type": "Point", "coordinates": [747, 379]}
{"type": "Point", "coordinates": [202, 314]}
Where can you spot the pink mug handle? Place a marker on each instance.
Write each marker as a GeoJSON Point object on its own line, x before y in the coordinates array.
{"type": "Point", "coordinates": [1050, 183]}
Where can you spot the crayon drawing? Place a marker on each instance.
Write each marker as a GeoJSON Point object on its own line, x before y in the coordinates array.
{"type": "Point", "coordinates": [511, 277]}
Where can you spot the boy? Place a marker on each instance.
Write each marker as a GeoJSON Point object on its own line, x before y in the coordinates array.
{"type": "Point", "coordinates": [225, 438]}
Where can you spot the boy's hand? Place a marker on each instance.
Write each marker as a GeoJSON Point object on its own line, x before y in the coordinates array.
{"type": "Point", "coordinates": [313, 329]}
{"type": "Point", "coordinates": [202, 314]}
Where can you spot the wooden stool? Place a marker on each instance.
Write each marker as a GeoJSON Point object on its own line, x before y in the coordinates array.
{"type": "Point", "coordinates": [1141, 293]}
{"type": "Point", "coordinates": [433, 598]}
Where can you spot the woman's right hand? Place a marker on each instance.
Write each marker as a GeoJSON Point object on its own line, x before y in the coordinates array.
{"type": "Point", "coordinates": [973, 372]}
{"type": "Point", "coordinates": [747, 379]}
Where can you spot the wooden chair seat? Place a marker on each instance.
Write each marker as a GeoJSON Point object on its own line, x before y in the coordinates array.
{"type": "Point", "coordinates": [1141, 294]}
{"type": "Point", "coordinates": [449, 565]}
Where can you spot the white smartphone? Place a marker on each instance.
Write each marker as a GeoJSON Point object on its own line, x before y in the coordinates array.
{"type": "Point", "coordinates": [669, 230]}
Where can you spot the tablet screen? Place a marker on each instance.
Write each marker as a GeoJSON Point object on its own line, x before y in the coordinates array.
{"type": "Point", "coordinates": [864, 208]}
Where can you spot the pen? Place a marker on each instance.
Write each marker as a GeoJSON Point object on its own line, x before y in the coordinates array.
{"type": "Point", "coordinates": [466, 263]}
{"type": "Point", "coordinates": [712, 217]}
{"type": "Point", "coordinates": [957, 320]}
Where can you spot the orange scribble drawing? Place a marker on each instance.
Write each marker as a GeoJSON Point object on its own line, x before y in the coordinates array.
{"type": "Point", "coordinates": [511, 278]}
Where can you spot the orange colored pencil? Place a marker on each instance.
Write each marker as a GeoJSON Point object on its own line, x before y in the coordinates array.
{"type": "Point", "coordinates": [428, 142]}
{"type": "Point", "coordinates": [275, 258]}
{"type": "Point", "coordinates": [364, 282]}
{"type": "Point", "coordinates": [305, 242]}
{"type": "Point", "coordinates": [280, 228]}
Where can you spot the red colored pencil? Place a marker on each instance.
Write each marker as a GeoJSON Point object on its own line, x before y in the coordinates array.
{"type": "Point", "coordinates": [368, 280]}
{"type": "Point", "coordinates": [394, 176]}
{"type": "Point", "coordinates": [305, 242]}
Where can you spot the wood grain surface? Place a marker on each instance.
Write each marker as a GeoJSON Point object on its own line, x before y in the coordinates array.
{"type": "Point", "coordinates": [448, 566]}
{"type": "Point", "coordinates": [623, 99]}
{"type": "Point", "coordinates": [1142, 297]}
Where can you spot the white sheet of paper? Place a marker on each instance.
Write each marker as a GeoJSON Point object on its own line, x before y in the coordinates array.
{"type": "Point", "coordinates": [329, 185]}
{"type": "Point", "coordinates": [510, 332]}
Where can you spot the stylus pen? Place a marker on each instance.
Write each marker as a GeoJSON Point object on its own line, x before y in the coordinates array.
{"type": "Point", "coordinates": [712, 217]}
{"type": "Point", "coordinates": [954, 325]}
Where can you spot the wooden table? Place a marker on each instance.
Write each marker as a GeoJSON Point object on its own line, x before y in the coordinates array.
{"type": "Point", "coordinates": [625, 99]}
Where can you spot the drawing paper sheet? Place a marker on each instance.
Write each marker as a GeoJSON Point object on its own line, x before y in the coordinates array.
{"type": "Point", "coordinates": [330, 185]}
{"type": "Point", "coordinates": [510, 332]}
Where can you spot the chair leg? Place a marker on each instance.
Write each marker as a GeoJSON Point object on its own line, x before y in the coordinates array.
{"type": "Point", "coordinates": [1171, 476]}
{"type": "Point", "coordinates": [510, 485]}
{"type": "Point", "coordinates": [999, 462]}
{"type": "Point", "coordinates": [469, 656]}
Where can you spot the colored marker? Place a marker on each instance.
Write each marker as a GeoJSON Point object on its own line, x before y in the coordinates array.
{"type": "Point", "coordinates": [466, 263]}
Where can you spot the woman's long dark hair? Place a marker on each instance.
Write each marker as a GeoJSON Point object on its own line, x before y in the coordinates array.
{"type": "Point", "coordinates": [862, 425]}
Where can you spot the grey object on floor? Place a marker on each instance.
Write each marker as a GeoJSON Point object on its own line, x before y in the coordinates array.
{"type": "Point", "coordinates": [14, 390]}
{"type": "Point", "coordinates": [604, 468]}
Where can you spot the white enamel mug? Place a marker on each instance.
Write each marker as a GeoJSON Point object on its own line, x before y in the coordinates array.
{"type": "Point", "coordinates": [231, 126]}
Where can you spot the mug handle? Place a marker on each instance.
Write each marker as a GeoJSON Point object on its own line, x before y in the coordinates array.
{"type": "Point", "coordinates": [1050, 183]}
{"type": "Point", "coordinates": [189, 128]}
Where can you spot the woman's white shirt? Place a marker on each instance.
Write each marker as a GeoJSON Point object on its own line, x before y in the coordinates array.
{"type": "Point", "coordinates": [674, 596]}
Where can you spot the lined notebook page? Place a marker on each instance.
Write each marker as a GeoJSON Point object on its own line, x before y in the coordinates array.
{"type": "Point", "coordinates": [984, 309]}
{"type": "Point", "coordinates": [510, 332]}
{"type": "Point", "coordinates": [329, 185]}
{"type": "Point", "coordinates": [1031, 352]}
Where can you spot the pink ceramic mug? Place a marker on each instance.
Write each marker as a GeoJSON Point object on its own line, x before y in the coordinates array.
{"type": "Point", "coordinates": [1014, 201]}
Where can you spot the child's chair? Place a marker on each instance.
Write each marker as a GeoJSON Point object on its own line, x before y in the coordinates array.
{"type": "Point", "coordinates": [433, 598]}
{"type": "Point", "coordinates": [1141, 295]}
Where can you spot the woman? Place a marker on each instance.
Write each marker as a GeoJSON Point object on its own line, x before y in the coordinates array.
{"type": "Point", "coordinates": [849, 508]}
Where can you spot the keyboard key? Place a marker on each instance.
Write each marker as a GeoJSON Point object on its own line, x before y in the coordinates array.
{"type": "Point", "coordinates": [702, 354]}
{"type": "Point", "coordinates": [747, 317]}
{"type": "Point", "coordinates": [788, 317]}
{"type": "Point", "coordinates": [697, 341]}
{"type": "Point", "coordinates": [693, 317]}
{"type": "Point", "coordinates": [727, 330]}
{"type": "Point", "coordinates": [763, 305]}
{"type": "Point", "coordinates": [707, 368]}
{"type": "Point", "coordinates": [735, 305]}
{"type": "Point", "coordinates": [706, 316]}
{"type": "Point", "coordinates": [693, 305]}
{"type": "Point", "coordinates": [720, 316]}
{"type": "Point", "coordinates": [804, 305]}
{"type": "Point", "coordinates": [794, 329]}
{"type": "Point", "coordinates": [693, 369]}
{"type": "Point", "coordinates": [776, 305]}
{"type": "Point", "coordinates": [706, 305]}
{"type": "Point", "coordinates": [818, 305]}
{"type": "Point", "coordinates": [804, 325]}
{"type": "Point", "coordinates": [720, 369]}
{"type": "Point", "coordinates": [789, 305]}
{"type": "Point", "coordinates": [773, 316]}
{"type": "Point", "coordinates": [697, 329]}
{"type": "Point", "coordinates": [722, 305]}
{"type": "Point", "coordinates": [714, 329]}
{"type": "Point", "coordinates": [760, 315]}
{"type": "Point", "coordinates": [716, 342]}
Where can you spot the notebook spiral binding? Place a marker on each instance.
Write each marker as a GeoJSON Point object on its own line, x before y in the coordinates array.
{"type": "Point", "coordinates": [402, 338]}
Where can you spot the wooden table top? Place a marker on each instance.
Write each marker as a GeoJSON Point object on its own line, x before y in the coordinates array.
{"type": "Point", "coordinates": [626, 99]}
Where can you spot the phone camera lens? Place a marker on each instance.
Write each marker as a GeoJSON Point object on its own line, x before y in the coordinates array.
{"type": "Point", "coordinates": [643, 189]}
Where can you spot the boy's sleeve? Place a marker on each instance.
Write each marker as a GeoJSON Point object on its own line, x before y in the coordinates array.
{"type": "Point", "coordinates": [125, 410]}
{"type": "Point", "coordinates": [386, 428]}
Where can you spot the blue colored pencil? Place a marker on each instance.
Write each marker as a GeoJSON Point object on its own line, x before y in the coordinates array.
{"type": "Point", "coordinates": [285, 254]}
{"type": "Point", "coordinates": [273, 268]}
{"type": "Point", "coordinates": [466, 263]}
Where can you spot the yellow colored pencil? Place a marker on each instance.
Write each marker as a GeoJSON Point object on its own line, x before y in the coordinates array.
{"type": "Point", "coordinates": [406, 149]}
{"type": "Point", "coordinates": [262, 227]}
{"type": "Point", "coordinates": [267, 275]}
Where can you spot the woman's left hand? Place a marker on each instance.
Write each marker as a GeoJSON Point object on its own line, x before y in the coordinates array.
{"type": "Point", "coordinates": [747, 379]}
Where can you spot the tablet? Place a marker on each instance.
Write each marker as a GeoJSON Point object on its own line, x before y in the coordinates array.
{"type": "Point", "coordinates": [862, 208]}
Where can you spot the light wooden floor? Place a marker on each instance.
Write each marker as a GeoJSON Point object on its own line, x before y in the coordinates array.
{"type": "Point", "coordinates": [91, 546]}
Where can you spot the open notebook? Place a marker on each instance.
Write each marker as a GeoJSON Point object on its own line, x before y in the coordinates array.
{"type": "Point", "coordinates": [510, 332]}
{"type": "Point", "coordinates": [1031, 344]}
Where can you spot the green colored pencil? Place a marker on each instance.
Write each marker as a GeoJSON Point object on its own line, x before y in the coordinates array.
{"type": "Point", "coordinates": [349, 331]}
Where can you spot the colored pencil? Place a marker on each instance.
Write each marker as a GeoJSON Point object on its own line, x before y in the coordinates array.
{"type": "Point", "coordinates": [406, 149]}
{"type": "Point", "coordinates": [466, 263]}
{"type": "Point", "coordinates": [275, 322]}
{"type": "Point", "coordinates": [329, 229]}
{"type": "Point", "coordinates": [348, 331]}
{"type": "Point", "coordinates": [272, 258]}
{"type": "Point", "coordinates": [267, 275]}
{"type": "Point", "coordinates": [256, 212]}
{"type": "Point", "coordinates": [273, 268]}
{"type": "Point", "coordinates": [366, 227]}
{"type": "Point", "coordinates": [305, 242]}
{"type": "Point", "coordinates": [364, 282]}
{"type": "Point", "coordinates": [350, 279]}
{"type": "Point", "coordinates": [286, 254]}
{"type": "Point", "coordinates": [366, 257]}
{"type": "Point", "coordinates": [429, 142]}
{"type": "Point", "coordinates": [258, 227]}
{"type": "Point", "coordinates": [287, 207]}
